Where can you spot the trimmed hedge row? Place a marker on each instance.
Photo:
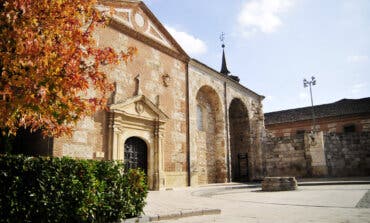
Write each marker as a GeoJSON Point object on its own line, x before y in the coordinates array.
{"type": "Point", "coordinates": [44, 189]}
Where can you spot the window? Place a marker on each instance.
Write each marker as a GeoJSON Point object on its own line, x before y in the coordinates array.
{"type": "Point", "coordinates": [300, 132]}
{"type": "Point", "coordinates": [349, 128]}
{"type": "Point", "coordinates": [200, 120]}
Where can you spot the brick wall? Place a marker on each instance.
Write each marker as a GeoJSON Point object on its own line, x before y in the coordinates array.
{"type": "Point", "coordinates": [330, 124]}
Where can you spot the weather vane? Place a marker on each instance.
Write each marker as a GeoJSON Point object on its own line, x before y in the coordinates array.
{"type": "Point", "coordinates": [222, 39]}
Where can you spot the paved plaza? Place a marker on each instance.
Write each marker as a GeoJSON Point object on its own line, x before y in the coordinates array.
{"type": "Point", "coordinates": [247, 203]}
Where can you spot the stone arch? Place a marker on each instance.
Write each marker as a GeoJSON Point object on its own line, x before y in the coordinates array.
{"type": "Point", "coordinates": [136, 153]}
{"type": "Point", "coordinates": [30, 143]}
{"type": "Point", "coordinates": [240, 143]}
{"type": "Point", "coordinates": [210, 137]}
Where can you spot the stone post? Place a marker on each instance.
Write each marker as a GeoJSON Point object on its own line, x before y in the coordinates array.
{"type": "Point", "coordinates": [314, 144]}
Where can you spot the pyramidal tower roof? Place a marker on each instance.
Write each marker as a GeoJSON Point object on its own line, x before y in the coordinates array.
{"type": "Point", "coordinates": [224, 69]}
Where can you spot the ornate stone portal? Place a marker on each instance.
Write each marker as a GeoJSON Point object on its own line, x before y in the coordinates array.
{"type": "Point", "coordinates": [139, 117]}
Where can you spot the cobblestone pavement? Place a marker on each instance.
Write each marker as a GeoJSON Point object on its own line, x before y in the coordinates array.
{"type": "Point", "coordinates": [326, 203]}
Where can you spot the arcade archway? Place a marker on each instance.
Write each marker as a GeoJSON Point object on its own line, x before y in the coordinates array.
{"type": "Point", "coordinates": [239, 140]}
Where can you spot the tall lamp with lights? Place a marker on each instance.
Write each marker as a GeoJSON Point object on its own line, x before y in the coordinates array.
{"type": "Point", "coordinates": [311, 83]}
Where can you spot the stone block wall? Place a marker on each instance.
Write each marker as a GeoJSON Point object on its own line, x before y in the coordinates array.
{"type": "Point", "coordinates": [207, 138]}
{"type": "Point", "coordinates": [255, 128]}
{"type": "Point", "coordinates": [207, 145]}
{"type": "Point", "coordinates": [285, 156]}
{"type": "Point", "coordinates": [329, 155]}
{"type": "Point", "coordinates": [90, 138]}
{"type": "Point", "coordinates": [160, 72]}
{"type": "Point", "coordinates": [87, 140]}
{"type": "Point", "coordinates": [210, 149]}
{"type": "Point", "coordinates": [348, 154]}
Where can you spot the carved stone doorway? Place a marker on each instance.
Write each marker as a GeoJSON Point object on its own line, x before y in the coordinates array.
{"type": "Point", "coordinates": [136, 154]}
{"type": "Point", "coordinates": [136, 134]}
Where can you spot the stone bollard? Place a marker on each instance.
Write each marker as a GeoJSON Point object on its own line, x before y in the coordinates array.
{"type": "Point", "coordinates": [279, 184]}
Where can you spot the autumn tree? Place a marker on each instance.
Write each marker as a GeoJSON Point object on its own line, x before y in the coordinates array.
{"type": "Point", "coordinates": [48, 62]}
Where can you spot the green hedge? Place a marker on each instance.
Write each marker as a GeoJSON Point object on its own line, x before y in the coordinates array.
{"type": "Point", "coordinates": [44, 189]}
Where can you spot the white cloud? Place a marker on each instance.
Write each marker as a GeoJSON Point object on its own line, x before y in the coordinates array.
{"type": "Point", "coordinates": [189, 43]}
{"type": "Point", "coordinates": [357, 58]}
{"type": "Point", "coordinates": [269, 97]}
{"type": "Point", "coordinates": [262, 15]}
{"type": "Point", "coordinates": [358, 88]}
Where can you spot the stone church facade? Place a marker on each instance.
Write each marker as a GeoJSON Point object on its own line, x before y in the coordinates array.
{"type": "Point", "coordinates": [181, 121]}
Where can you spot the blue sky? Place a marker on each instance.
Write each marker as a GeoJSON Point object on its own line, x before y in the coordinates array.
{"type": "Point", "coordinates": [273, 44]}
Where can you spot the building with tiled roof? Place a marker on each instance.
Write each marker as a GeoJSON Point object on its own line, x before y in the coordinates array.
{"type": "Point", "coordinates": [346, 115]}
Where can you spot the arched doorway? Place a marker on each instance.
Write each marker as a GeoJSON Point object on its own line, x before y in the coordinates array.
{"type": "Point", "coordinates": [239, 140]}
{"type": "Point", "coordinates": [136, 154]}
{"type": "Point", "coordinates": [136, 137]}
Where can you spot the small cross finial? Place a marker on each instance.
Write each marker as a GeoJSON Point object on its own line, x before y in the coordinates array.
{"type": "Point", "coordinates": [222, 39]}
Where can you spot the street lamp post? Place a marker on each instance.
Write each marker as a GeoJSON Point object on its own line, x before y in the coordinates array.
{"type": "Point", "coordinates": [311, 83]}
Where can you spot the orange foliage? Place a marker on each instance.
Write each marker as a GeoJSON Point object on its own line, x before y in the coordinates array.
{"type": "Point", "coordinates": [48, 61]}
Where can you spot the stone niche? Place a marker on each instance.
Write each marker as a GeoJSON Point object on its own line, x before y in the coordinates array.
{"type": "Point", "coordinates": [279, 184]}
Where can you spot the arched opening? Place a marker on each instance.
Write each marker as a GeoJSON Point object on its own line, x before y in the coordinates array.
{"type": "Point", "coordinates": [27, 143]}
{"type": "Point", "coordinates": [136, 154]}
{"type": "Point", "coordinates": [210, 137]}
{"type": "Point", "coordinates": [239, 140]}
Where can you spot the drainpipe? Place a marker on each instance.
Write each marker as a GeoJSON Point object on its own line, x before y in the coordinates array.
{"type": "Point", "coordinates": [187, 123]}
{"type": "Point", "coordinates": [227, 134]}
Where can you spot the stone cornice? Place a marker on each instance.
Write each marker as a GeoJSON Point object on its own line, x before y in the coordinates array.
{"type": "Point", "coordinates": [179, 53]}
{"type": "Point", "coordinates": [162, 29]}
{"type": "Point", "coordinates": [120, 108]}
{"type": "Point", "coordinates": [219, 76]}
